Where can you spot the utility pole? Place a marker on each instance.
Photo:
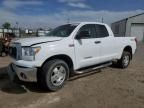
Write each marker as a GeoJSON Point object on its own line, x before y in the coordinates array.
{"type": "Point", "coordinates": [18, 29]}
{"type": "Point", "coordinates": [102, 20]}
{"type": "Point", "coordinates": [68, 20]}
{"type": "Point", "coordinates": [17, 25]}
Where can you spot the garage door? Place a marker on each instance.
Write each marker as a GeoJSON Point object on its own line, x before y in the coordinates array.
{"type": "Point", "coordinates": [137, 30]}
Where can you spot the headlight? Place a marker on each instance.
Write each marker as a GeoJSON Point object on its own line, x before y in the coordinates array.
{"type": "Point", "coordinates": [28, 53]}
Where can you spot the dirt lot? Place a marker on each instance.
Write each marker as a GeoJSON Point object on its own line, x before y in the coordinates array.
{"type": "Point", "coordinates": [108, 88]}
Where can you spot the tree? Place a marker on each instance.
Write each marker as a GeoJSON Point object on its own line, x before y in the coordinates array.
{"type": "Point", "coordinates": [6, 25]}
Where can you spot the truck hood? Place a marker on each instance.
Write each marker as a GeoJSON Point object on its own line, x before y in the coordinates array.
{"type": "Point", "coordinates": [36, 40]}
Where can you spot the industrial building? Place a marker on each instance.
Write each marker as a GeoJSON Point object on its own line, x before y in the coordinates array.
{"type": "Point", "coordinates": [10, 32]}
{"type": "Point", "coordinates": [132, 26]}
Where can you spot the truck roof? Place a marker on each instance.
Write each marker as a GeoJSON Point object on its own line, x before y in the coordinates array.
{"type": "Point", "coordinates": [77, 23]}
{"type": "Point", "coordinates": [83, 23]}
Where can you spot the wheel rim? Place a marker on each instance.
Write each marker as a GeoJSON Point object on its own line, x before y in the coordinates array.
{"type": "Point", "coordinates": [126, 59]}
{"type": "Point", "coordinates": [58, 75]}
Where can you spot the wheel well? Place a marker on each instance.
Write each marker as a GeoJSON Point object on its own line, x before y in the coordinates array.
{"type": "Point", "coordinates": [65, 58]}
{"type": "Point", "coordinates": [128, 49]}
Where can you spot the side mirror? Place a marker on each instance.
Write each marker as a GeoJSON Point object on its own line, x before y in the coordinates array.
{"type": "Point", "coordinates": [83, 35]}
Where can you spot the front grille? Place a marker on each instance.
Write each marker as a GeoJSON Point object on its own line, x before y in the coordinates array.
{"type": "Point", "coordinates": [15, 51]}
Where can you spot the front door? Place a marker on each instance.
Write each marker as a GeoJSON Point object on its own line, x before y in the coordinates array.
{"type": "Point", "coordinates": [87, 50]}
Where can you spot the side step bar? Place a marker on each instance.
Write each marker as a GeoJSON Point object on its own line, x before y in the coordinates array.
{"type": "Point", "coordinates": [94, 68]}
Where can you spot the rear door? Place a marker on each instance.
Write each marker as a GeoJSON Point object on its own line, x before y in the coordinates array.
{"type": "Point", "coordinates": [87, 50]}
{"type": "Point", "coordinates": [107, 46]}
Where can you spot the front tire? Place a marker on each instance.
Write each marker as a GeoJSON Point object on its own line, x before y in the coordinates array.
{"type": "Point", "coordinates": [125, 60]}
{"type": "Point", "coordinates": [54, 75]}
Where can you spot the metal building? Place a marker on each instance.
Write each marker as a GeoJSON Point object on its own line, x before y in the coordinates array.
{"type": "Point", "coordinates": [132, 26]}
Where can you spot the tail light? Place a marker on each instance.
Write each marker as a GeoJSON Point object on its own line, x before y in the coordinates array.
{"type": "Point", "coordinates": [136, 40]}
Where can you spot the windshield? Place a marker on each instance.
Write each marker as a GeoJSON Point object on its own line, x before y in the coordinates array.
{"type": "Point", "coordinates": [62, 31]}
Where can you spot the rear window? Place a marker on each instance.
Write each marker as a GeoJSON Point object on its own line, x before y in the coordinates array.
{"type": "Point", "coordinates": [101, 31]}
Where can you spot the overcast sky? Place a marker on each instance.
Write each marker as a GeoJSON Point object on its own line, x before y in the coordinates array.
{"type": "Point", "coordinates": [50, 13]}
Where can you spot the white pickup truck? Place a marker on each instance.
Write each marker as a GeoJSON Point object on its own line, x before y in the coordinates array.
{"type": "Point", "coordinates": [68, 49]}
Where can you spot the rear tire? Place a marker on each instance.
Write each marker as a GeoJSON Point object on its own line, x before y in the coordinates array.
{"type": "Point", "coordinates": [125, 60]}
{"type": "Point", "coordinates": [54, 74]}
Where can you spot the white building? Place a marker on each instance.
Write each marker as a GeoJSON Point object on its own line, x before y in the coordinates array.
{"type": "Point", "coordinates": [42, 32]}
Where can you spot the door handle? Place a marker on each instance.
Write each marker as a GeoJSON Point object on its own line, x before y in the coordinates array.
{"type": "Point", "coordinates": [97, 42]}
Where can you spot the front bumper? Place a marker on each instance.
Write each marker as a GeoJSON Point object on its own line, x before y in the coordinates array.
{"type": "Point", "coordinates": [23, 73]}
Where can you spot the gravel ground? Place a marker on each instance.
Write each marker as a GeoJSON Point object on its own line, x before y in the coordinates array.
{"type": "Point", "coordinates": [107, 88]}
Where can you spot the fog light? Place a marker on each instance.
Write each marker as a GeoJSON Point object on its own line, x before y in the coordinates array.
{"type": "Point", "coordinates": [23, 75]}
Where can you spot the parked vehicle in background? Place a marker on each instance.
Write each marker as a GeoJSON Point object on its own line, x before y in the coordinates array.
{"type": "Point", "coordinates": [68, 49]}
